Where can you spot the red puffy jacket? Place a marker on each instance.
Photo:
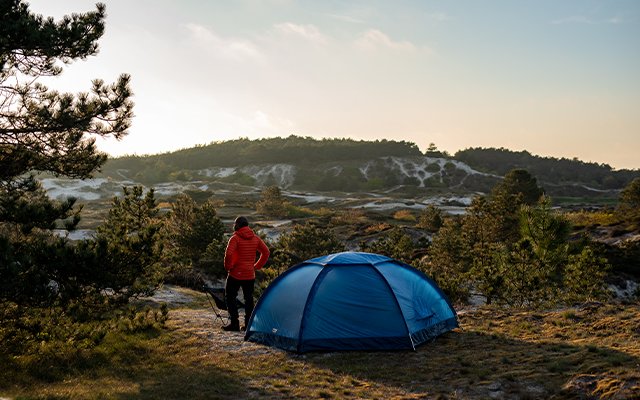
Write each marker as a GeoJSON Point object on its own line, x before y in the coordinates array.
{"type": "Point", "coordinates": [240, 256]}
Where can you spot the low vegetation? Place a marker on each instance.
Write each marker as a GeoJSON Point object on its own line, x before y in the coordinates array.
{"type": "Point", "coordinates": [88, 340]}
{"type": "Point", "coordinates": [589, 351]}
{"type": "Point", "coordinates": [99, 342]}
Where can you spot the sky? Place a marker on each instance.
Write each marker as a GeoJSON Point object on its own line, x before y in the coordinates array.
{"type": "Point", "coordinates": [555, 78]}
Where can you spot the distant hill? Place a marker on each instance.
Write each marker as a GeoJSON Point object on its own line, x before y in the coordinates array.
{"type": "Point", "coordinates": [556, 171]}
{"type": "Point", "coordinates": [291, 150]}
{"type": "Point", "coordinates": [348, 165]}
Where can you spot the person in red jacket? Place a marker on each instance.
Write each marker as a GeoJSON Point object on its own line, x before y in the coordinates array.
{"type": "Point", "coordinates": [241, 265]}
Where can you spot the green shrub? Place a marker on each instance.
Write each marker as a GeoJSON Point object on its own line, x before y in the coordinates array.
{"type": "Point", "coordinates": [193, 238]}
{"type": "Point", "coordinates": [395, 244]}
{"type": "Point", "coordinates": [430, 219]}
{"type": "Point", "coordinates": [272, 203]}
{"type": "Point", "coordinates": [48, 335]}
{"type": "Point", "coordinates": [304, 242]}
{"type": "Point", "coordinates": [584, 276]}
{"type": "Point", "coordinates": [240, 178]}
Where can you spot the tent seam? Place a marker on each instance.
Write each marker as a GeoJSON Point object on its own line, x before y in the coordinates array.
{"type": "Point", "coordinates": [312, 294]}
{"type": "Point", "coordinates": [404, 317]}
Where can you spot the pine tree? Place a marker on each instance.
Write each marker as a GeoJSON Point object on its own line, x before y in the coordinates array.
{"type": "Point", "coordinates": [43, 130]}
{"type": "Point", "coordinates": [481, 234]}
{"type": "Point", "coordinates": [548, 232]}
{"type": "Point", "coordinates": [518, 183]}
{"type": "Point", "coordinates": [518, 188]}
{"type": "Point", "coordinates": [395, 244]}
{"type": "Point", "coordinates": [272, 203]}
{"type": "Point", "coordinates": [447, 261]}
{"type": "Point", "coordinates": [309, 241]}
{"type": "Point", "coordinates": [128, 245]}
{"type": "Point", "coordinates": [430, 219]}
{"type": "Point", "coordinates": [629, 204]}
{"type": "Point", "coordinates": [194, 235]}
{"type": "Point", "coordinates": [534, 268]}
{"type": "Point", "coordinates": [584, 278]}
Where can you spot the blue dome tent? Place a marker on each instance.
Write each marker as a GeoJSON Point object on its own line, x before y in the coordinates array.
{"type": "Point", "coordinates": [350, 301]}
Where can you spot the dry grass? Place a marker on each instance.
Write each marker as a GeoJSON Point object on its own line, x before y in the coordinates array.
{"type": "Point", "coordinates": [587, 352]}
{"type": "Point", "coordinates": [404, 215]}
{"type": "Point", "coordinates": [377, 228]}
{"type": "Point", "coordinates": [348, 217]}
{"type": "Point", "coordinates": [585, 218]}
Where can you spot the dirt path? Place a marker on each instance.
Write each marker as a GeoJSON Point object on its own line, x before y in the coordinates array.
{"type": "Point", "coordinates": [202, 323]}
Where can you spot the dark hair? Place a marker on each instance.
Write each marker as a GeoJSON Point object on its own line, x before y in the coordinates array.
{"type": "Point", "coordinates": [240, 222]}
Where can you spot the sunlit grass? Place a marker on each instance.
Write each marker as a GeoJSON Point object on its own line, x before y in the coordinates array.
{"type": "Point", "coordinates": [377, 228]}
{"type": "Point", "coordinates": [404, 215]}
{"type": "Point", "coordinates": [577, 352]}
{"type": "Point", "coordinates": [585, 218]}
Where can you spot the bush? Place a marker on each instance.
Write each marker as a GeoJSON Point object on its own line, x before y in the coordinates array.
{"type": "Point", "coordinates": [430, 219]}
{"type": "Point", "coordinates": [404, 215]}
{"type": "Point", "coordinates": [305, 242]}
{"type": "Point", "coordinates": [57, 336]}
{"type": "Point", "coordinates": [128, 246]}
{"type": "Point", "coordinates": [377, 228]}
{"type": "Point", "coordinates": [516, 256]}
{"type": "Point", "coordinates": [272, 203]}
{"type": "Point", "coordinates": [584, 276]}
{"type": "Point", "coordinates": [629, 204]}
{"type": "Point", "coordinates": [396, 244]}
{"type": "Point", "coordinates": [299, 212]}
{"type": "Point", "coordinates": [350, 216]}
{"type": "Point", "coordinates": [240, 178]}
{"type": "Point", "coordinates": [447, 261]}
{"type": "Point", "coordinates": [193, 235]}
{"type": "Point", "coordinates": [583, 218]}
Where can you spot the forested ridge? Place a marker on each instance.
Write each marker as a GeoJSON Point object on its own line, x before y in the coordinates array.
{"type": "Point", "coordinates": [291, 150]}
{"type": "Point", "coordinates": [546, 169]}
{"type": "Point", "coordinates": [308, 153]}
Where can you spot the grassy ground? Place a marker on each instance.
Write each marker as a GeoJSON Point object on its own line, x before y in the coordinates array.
{"type": "Point", "coordinates": [588, 352]}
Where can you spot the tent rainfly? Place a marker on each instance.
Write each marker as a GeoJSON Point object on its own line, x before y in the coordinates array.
{"type": "Point", "coordinates": [350, 301]}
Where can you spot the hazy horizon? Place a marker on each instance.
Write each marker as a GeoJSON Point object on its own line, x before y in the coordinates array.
{"type": "Point", "coordinates": [557, 79]}
{"type": "Point", "coordinates": [423, 150]}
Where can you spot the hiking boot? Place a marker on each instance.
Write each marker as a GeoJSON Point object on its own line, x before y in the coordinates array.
{"type": "Point", "coordinates": [232, 327]}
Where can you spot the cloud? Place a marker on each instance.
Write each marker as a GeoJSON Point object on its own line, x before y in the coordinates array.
{"type": "Point", "coordinates": [307, 32]}
{"type": "Point", "coordinates": [374, 39]}
{"type": "Point", "coordinates": [229, 48]}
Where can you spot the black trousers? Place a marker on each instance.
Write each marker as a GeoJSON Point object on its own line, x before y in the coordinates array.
{"type": "Point", "coordinates": [231, 293]}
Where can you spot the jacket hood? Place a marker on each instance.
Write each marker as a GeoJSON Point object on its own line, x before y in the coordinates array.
{"type": "Point", "coordinates": [245, 233]}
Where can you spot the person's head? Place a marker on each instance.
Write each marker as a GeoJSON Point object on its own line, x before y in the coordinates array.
{"type": "Point", "coordinates": [240, 222]}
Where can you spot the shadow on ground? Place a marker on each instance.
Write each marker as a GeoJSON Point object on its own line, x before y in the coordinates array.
{"type": "Point", "coordinates": [472, 364]}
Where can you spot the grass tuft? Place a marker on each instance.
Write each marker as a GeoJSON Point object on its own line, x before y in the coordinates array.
{"type": "Point", "coordinates": [516, 355]}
